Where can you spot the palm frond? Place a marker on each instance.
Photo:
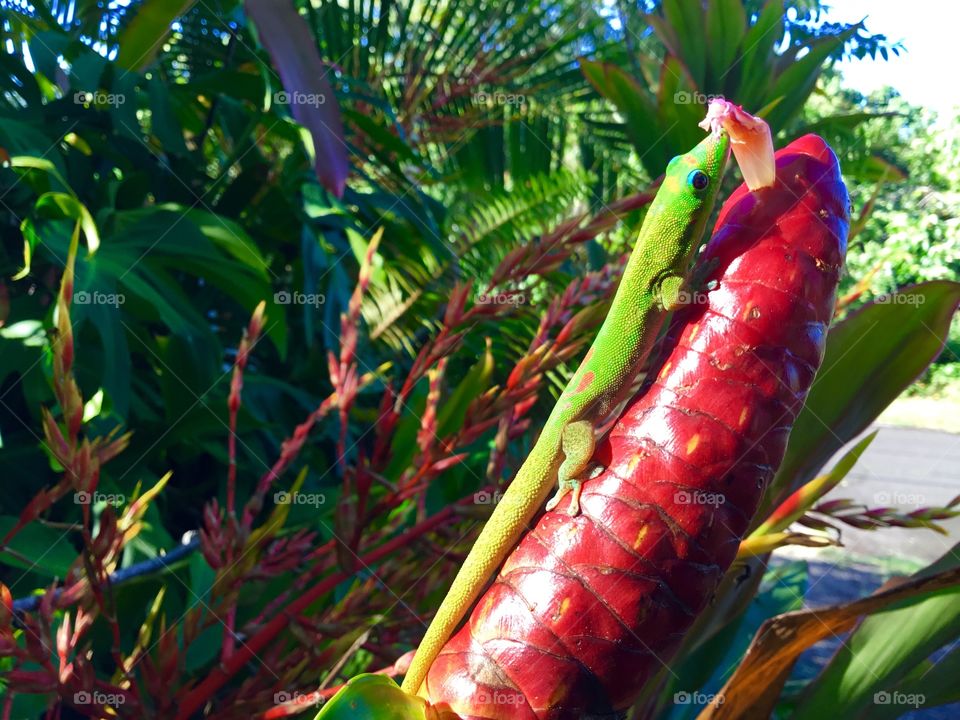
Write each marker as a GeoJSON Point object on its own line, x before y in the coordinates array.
{"type": "Point", "coordinates": [477, 236]}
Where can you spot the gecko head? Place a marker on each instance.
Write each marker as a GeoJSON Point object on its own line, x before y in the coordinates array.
{"type": "Point", "coordinates": [696, 175]}
{"type": "Point", "coordinates": [686, 198]}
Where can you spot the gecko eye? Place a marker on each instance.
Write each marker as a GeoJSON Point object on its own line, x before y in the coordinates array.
{"type": "Point", "coordinates": [698, 180]}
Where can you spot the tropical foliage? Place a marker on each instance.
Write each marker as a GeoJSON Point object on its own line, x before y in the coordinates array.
{"type": "Point", "coordinates": [277, 318]}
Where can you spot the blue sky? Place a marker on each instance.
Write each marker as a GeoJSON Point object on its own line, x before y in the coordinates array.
{"type": "Point", "coordinates": [926, 73]}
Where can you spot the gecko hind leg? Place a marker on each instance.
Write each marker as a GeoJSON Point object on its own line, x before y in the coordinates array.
{"type": "Point", "coordinates": [578, 443]}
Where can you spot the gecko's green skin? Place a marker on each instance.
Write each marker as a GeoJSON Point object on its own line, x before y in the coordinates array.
{"type": "Point", "coordinates": [652, 285]}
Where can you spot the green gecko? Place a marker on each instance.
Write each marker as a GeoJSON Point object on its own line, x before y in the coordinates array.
{"type": "Point", "coordinates": [652, 285]}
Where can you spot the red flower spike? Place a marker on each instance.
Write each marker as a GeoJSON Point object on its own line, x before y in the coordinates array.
{"type": "Point", "coordinates": [588, 609]}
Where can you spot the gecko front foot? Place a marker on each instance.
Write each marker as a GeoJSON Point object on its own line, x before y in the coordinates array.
{"type": "Point", "coordinates": [573, 485]}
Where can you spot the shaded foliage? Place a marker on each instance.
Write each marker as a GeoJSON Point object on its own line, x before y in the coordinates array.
{"type": "Point", "coordinates": [410, 335]}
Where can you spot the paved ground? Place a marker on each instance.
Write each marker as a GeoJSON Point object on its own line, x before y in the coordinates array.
{"type": "Point", "coordinates": [907, 468]}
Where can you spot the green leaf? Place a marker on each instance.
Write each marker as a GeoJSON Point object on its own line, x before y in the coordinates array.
{"type": "Point", "coordinates": [796, 83]}
{"type": "Point", "coordinates": [205, 647]}
{"type": "Point", "coordinates": [935, 681]}
{"type": "Point", "coordinates": [122, 103]}
{"type": "Point", "coordinates": [845, 122]}
{"type": "Point", "coordinates": [143, 37]}
{"type": "Point", "coordinates": [726, 27]}
{"type": "Point", "coordinates": [238, 84]}
{"type": "Point", "coordinates": [117, 376]}
{"type": "Point", "coordinates": [687, 20]}
{"type": "Point", "coordinates": [874, 168]}
{"type": "Point", "coordinates": [202, 577]}
{"type": "Point", "coordinates": [373, 697]}
{"type": "Point", "coordinates": [61, 205]}
{"type": "Point", "coordinates": [707, 668]}
{"type": "Point", "coordinates": [229, 237]}
{"type": "Point", "coordinates": [870, 358]}
{"type": "Point", "coordinates": [31, 239]}
{"type": "Point", "coordinates": [163, 122]}
{"type": "Point", "coordinates": [452, 413]}
{"type": "Point", "coordinates": [404, 445]}
{"type": "Point", "coordinates": [808, 496]}
{"type": "Point", "coordinates": [381, 135]}
{"type": "Point", "coordinates": [30, 148]}
{"type": "Point", "coordinates": [38, 163]}
{"type": "Point", "coordinates": [49, 551]}
{"type": "Point", "coordinates": [679, 109]}
{"type": "Point", "coordinates": [757, 682]}
{"type": "Point", "coordinates": [189, 368]}
{"type": "Point", "coordinates": [637, 107]}
{"type": "Point", "coordinates": [149, 245]}
{"type": "Point", "coordinates": [866, 670]}
{"type": "Point", "coordinates": [755, 65]}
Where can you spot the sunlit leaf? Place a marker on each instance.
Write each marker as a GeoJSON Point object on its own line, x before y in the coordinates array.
{"type": "Point", "coordinates": [143, 37]}
{"type": "Point", "coordinates": [871, 357]}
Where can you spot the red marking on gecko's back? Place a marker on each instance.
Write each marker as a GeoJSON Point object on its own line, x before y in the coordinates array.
{"type": "Point", "coordinates": [585, 381]}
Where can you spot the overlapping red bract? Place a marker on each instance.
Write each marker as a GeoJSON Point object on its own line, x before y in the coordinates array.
{"type": "Point", "coordinates": [587, 609]}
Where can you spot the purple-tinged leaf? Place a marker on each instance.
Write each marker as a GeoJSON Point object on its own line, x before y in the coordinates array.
{"type": "Point", "coordinates": [290, 44]}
